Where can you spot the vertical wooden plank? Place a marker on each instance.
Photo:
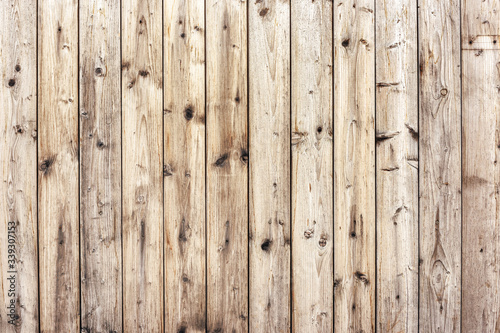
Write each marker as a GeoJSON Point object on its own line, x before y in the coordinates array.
{"type": "Point", "coordinates": [440, 167]}
{"type": "Point", "coordinates": [480, 167]}
{"type": "Point", "coordinates": [269, 118]}
{"type": "Point", "coordinates": [227, 166]}
{"type": "Point", "coordinates": [312, 166]}
{"type": "Point", "coordinates": [142, 165]}
{"type": "Point", "coordinates": [58, 166]}
{"type": "Point", "coordinates": [18, 196]}
{"type": "Point", "coordinates": [184, 170]}
{"type": "Point", "coordinates": [397, 165]}
{"type": "Point", "coordinates": [354, 166]}
{"type": "Point", "coordinates": [100, 167]}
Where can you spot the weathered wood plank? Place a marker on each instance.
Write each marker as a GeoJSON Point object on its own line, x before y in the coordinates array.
{"type": "Point", "coordinates": [142, 165]}
{"type": "Point", "coordinates": [227, 166]}
{"type": "Point", "coordinates": [269, 119]}
{"type": "Point", "coordinates": [100, 166]}
{"type": "Point", "coordinates": [354, 166]}
{"type": "Point", "coordinates": [397, 165]}
{"type": "Point", "coordinates": [480, 168]}
{"type": "Point", "coordinates": [18, 186]}
{"type": "Point", "coordinates": [184, 142]}
{"type": "Point", "coordinates": [440, 166]}
{"type": "Point", "coordinates": [58, 166]}
{"type": "Point", "coordinates": [312, 166]}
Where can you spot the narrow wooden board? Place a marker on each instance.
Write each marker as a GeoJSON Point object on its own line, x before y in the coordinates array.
{"type": "Point", "coordinates": [100, 166]}
{"type": "Point", "coordinates": [312, 166]}
{"type": "Point", "coordinates": [269, 119]}
{"type": "Point", "coordinates": [397, 165]}
{"type": "Point", "coordinates": [58, 196]}
{"type": "Point", "coordinates": [227, 166]}
{"type": "Point", "coordinates": [18, 184]}
{"type": "Point", "coordinates": [354, 166]}
{"type": "Point", "coordinates": [142, 165]}
{"type": "Point", "coordinates": [184, 141]}
{"type": "Point", "coordinates": [440, 166]}
{"type": "Point", "coordinates": [480, 167]}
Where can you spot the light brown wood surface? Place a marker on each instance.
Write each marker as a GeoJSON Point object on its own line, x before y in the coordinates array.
{"type": "Point", "coordinates": [480, 168]}
{"type": "Point", "coordinates": [142, 165]}
{"type": "Point", "coordinates": [440, 166]}
{"type": "Point", "coordinates": [269, 126]}
{"type": "Point", "coordinates": [227, 166]}
{"type": "Point", "coordinates": [250, 166]}
{"type": "Point", "coordinates": [397, 165]}
{"type": "Point", "coordinates": [312, 166]}
{"type": "Point", "coordinates": [58, 154]}
{"type": "Point", "coordinates": [184, 170]}
{"type": "Point", "coordinates": [354, 166]}
{"type": "Point", "coordinates": [18, 176]}
{"type": "Point", "coordinates": [100, 166]}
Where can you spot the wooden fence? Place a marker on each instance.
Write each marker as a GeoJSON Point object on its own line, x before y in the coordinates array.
{"type": "Point", "coordinates": [249, 166]}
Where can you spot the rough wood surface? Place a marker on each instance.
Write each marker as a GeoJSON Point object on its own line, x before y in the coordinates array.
{"type": "Point", "coordinates": [100, 166]}
{"type": "Point", "coordinates": [18, 176]}
{"type": "Point", "coordinates": [312, 166]}
{"type": "Point", "coordinates": [184, 171]}
{"type": "Point", "coordinates": [397, 165]}
{"type": "Point", "coordinates": [440, 166]}
{"type": "Point", "coordinates": [142, 165]}
{"type": "Point", "coordinates": [269, 119]}
{"type": "Point", "coordinates": [227, 166]}
{"type": "Point", "coordinates": [264, 165]}
{"type": "Point", "coordinates": [58, 197]}
{"type": "Point", "coordinates": [354, 166]}
{"type": "Point", "coordinates": [480, 167]}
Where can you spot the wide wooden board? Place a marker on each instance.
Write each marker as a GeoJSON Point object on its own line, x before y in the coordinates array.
{"type": "Point", "coordinates": [312, 165]}
{"type": "Point", "coordinates": [142, 165]}
{"type": "Point", "coordinates": [269, 125]}
{"type": "Point", "coordinates": [440, 166]}
{"type": "Point", "coordinates": [480, 167]}
{"type": "Point", "coordinates": [58, 156]}
{"type": "Point", "coordinates": [184, 171]}
{"type": "Point", "coordinates": [227, 166]}
{"type": "Point", "coordinates": [100, 166]}
{"type": "Point", "coordinates": [397, 165]}
{"type": "Point", "coordinates": [18, 176]}
{"type": "Point", "coordinates": [354, 165]}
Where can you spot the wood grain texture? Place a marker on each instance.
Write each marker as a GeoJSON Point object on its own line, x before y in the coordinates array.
{"type": "Point", "coordinates": [227, 166]}
{"type": "Point", "coordinates": [480, 168]}
{"type": "Point", "coordinates": [397, 165]}
{"type": "Point", "coordinates": [269, 119]}
{"type": "Point", "coordinates": [354, 166]}
{"type": "Point", "coordinates": [312, 166]}
{"type": "Point", "coordinates": [264, 166]}
{"type": "Point", "coordinates": [142, 165]}
{"type": "Point", "coordinates": [440, 161]}
{"type": "Point", "coordinates": [100, 166]}
{"type": "Point", "coordinates": [58, 196]}
{"type": "Point", "coordinates": [184, 172]}
{"type": "Point", "coordinates": [18, 182]}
